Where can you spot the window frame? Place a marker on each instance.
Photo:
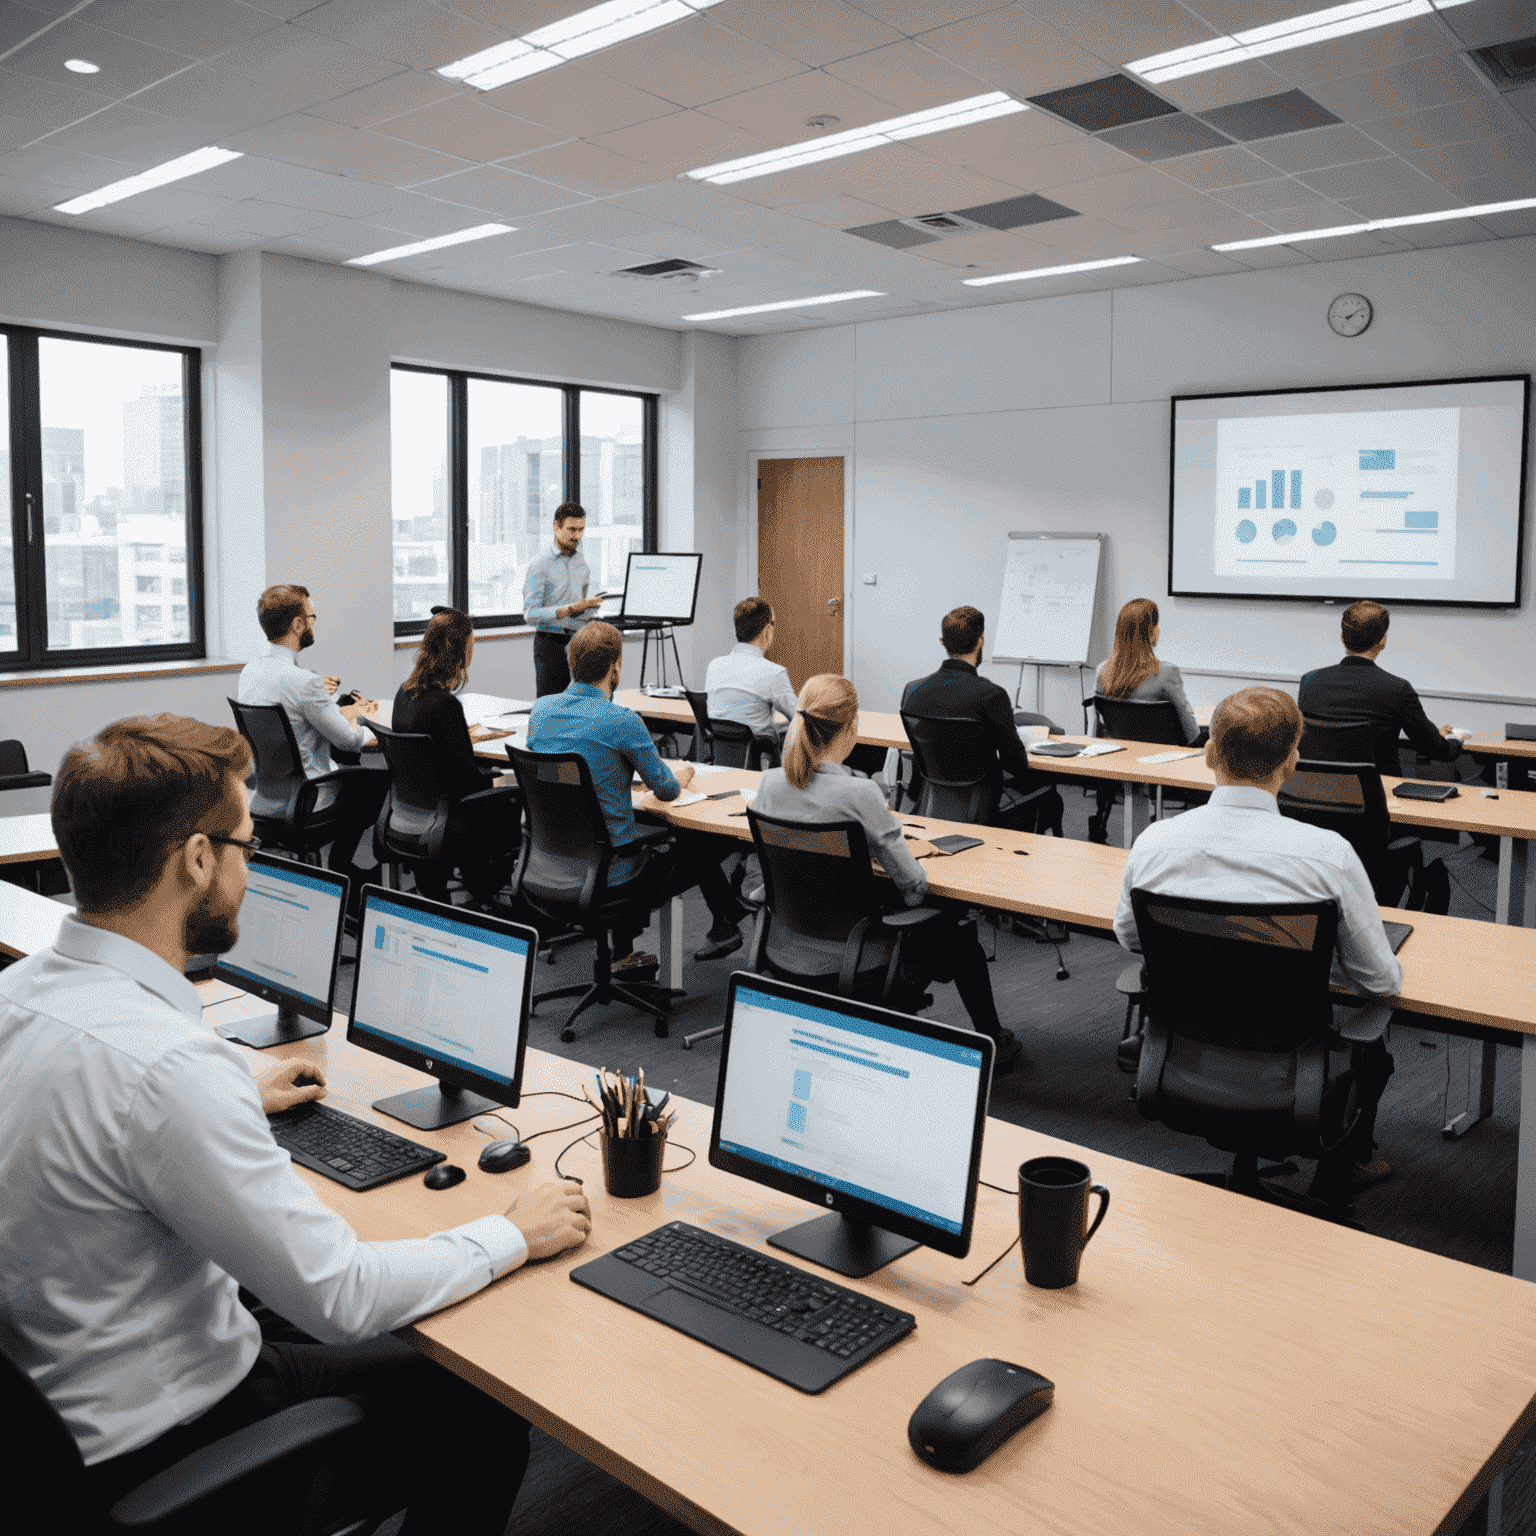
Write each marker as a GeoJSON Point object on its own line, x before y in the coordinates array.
{"type": "Point", "coordinates": [28, 540]}
{"type": "Point", "coordinates": [458, 381]}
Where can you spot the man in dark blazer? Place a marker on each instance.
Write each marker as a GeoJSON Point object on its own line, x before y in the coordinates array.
{"type": "Point", "coordinates": [1357, 689]}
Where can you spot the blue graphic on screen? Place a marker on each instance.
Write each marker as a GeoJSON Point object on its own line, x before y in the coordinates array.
{"type": "Point", "coordinates": [1244, 497]}
{"type": "Point", "coordinates": [1417, 517]}
{"type": "Point", "coordinates": [1247, 531]}
{"type": "Point", "coordinates": [1295, 490]}
{"type": "Point", "coordinates": [796, 1120]}
{"type": "Point", "coordinates": [1277, 495]}
{"type": "Point", "coordinates": [1260, 494]}
{"type": "Point", "coordinates": [378, 937]}
{"type": "Point", "coordinates": [802, 1087]}
{"type": "Point", "coordinates": [1378, 458]}
{"type": "Point", "coordinates": [1324, 533]}
{"type": "Point", "coordinates": [1283, 531]}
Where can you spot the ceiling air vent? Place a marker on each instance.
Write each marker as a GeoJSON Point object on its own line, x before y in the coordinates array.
{"type": "Point", "coordinates": [941, 225]}
{"type": "Point", "coordinates": [673, 267]}
{"type": "Point", "coordinates": [1508, 64]}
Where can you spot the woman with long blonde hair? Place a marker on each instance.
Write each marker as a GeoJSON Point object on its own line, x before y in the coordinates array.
{"type": "Point", "coordinates": [814, 785]}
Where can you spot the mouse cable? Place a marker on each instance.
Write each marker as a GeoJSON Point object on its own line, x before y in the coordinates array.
{"type": "Point", "coordinates": [692, 1155]}
{"type": "Point", "coordinates": [554, 1129]}
{"type": "Point", "coordinates": [995, 1262]}
{"type": "Point", "coordinates": [998, 1187]}
{"type": "Point", "coordinates": [496, 1116]}
{"type": "Point", "coordinates": [558, 1093]}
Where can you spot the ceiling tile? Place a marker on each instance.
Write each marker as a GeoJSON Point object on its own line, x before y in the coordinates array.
{"type": "Point", "coordinates": [192, 236]}
{"type": "Point", "coordinates": [586, 168]}
{"type": "Point", "coordinates": [1404, 88]}
{"type": "Point", "coordinates": [1174, 213]}
{"type": "Point", "coordinates": [695, 61]}
{"type": "Point", "coordinates": [258, 218]}
{"type": "Point", "coordinates": [496, 190]}
{"type": "Point", "coordinates": [140, 139]}
{"type": "Point", "coordinates": [216, 99]}
{"type": "Point", "coordinates": [1285, 221]}
{"type": "Point", "coordinates": [1220, 168]}
{"type": "Point", "coordinates": [1426, 198]}
{"type": "Point", "coordinates": [1461, 162]}
{"type": "Point", "coordinates": [1261, 196]}
{"type": "Point", "coordinates": [1118, 30]}
{"type": "Point", "coordinates": [893, 233]}
{"type": "Point", "coordinates": [423, 217]}
{"type": "Point", "coordinates": [1106, 103]}
{"type": "Point", "coordinates": [1500, 187]}
{"type": "Point", "coordinates": [578, 101]}
{"type": "Point", "coordinates": [1340, 144]}
{"type": "Point", "coordinates": [1357, 247]}
{"type": "Point", "coordinates": [1506, 225]}
{"type": "Point", "coordinates": [1458, 122]}
{"type": "Point", "coordinates": [1492, 21]}
{"type": "Point", "coordinates": [1163, 138]}
{"type": "Point", "coordinates": [530, 14]}
{"type": "Point", "coordinates": [1272, 256]}
{"type": "Point", "coordinates": [170, 205]}
{"type": "Point", "coordinates": [1201, 263]}
{"type": "Point", "coordinates": [991, 249]}
{"type": "Point", "coordinates": [1057, 164]}
{"type": "Point", "coordinates": [306, 66]}
{"type": "Point", "coordinates": [1018, 212]}
{"type": "Point", "coordinates": [191, 27]}
{"type": "Point", "coordinates": [914, 17]}
{"type": "Point", "coordinates": [1452, 232]}
{"type": "Point", "coordinates": [595, 220]}
{"type": "Point", "coordinates": [778, 113]}
{"type": "Point", "coordinates": [910, 77]}
{"type": "Point", "coordinates": [1139, 188]}
{"type": "Point", "coordinates": [1015, 52]}
{"type": "Point", "coordinates": [375, 104]}
{"type": "Point", "coordinates": [15, 132]}
{"type": "Point", "coordinates": [466, 127]}
{"type": "Point", "coordinates": [682, 141]}
{"type": "Point", "coordinates": [295, 186]}
{"type": "Point", "coordinates": [1364, 179]}
{"type": "Point", "coordinates": [63, 168]}
{"type": "Point", "coordinates": [47, 105]}
{"type": "Point", "coordinates": [423, 36]}
{"type": "Point", "coordinates": [126, 65]}
{"type": "Point", "coordinates": [1379, 48]}
{"type": "Point", "coordinates": [1221, 87]}
{"type": "Point", "coordinates": [808, 30]}
{"type": "Point", "coordinates": [1019, 134]}
{"type": "Point", "coordinates": [1068, 234]}
{"type": "Point", "coordinates": [1238, 15]}
{"type": "Point", "coordinates": [1269, 116]}
{"type": "Point", "coordinates": [300, 139]}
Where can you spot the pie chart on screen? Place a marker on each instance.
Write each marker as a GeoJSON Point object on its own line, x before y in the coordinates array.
{"type": "Point", "coordinates": [1324, 533]}
{"type": "Point", "coordinates": [1246, 532]}
{"type": "Point", "coordinates": [1284, 531]}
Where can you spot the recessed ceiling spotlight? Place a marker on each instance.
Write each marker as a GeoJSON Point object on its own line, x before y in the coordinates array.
{"type": "Point", "coordinates": [82, 66]}
{"type": "Point", "coordinates": [822, 120]}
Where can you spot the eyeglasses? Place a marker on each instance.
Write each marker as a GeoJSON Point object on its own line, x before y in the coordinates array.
{"type": "Point", "coordinates": [246, 845]}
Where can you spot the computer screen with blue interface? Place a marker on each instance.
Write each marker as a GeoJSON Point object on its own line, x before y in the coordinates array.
{"type": "Point", "coordinates": [288, 931]}
{"type": "Point", "coordinates": [875, 1111]}
{"type": "Point", "coordinates": [448, 989]}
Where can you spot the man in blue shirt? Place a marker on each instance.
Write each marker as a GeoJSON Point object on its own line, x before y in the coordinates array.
{"type": "Point", "coordinates": [616, 745]}
{"type": "Point", "coordinates": [555, 599]}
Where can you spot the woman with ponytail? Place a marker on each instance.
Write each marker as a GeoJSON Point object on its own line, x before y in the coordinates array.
{"type": "Point", "coordinates": [815, 786]}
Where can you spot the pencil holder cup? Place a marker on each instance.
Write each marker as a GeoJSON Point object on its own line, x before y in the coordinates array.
{"type": "Point", "coordinates": [632, 1165]}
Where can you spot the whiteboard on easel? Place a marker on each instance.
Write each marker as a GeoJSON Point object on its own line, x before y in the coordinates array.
{"type": "Point", "coordinates": [1050, 583]}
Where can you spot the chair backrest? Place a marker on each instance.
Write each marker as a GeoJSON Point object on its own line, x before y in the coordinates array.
{"type": "Point", "coordinates": [566, 849]}
{"type": "Point", "coordinates": [1026, 717]}
{"type": "Point", "coordinates": [279, 767]}
{"type": "Point", "coordinates": [39, 1441]}
{"type": "Point", "coordinates": [731, 744]}
{"type": "Point", "coordinates": [1337, 741]}
{"type": "Point", "coordinates": [958, 764]}
{"type": "Point", "coordinates": [817, 877]}
{"type": "Point", "coordinates": [1347, 798]}
{"type": "Point", "coordinates": [1246, 976]}
{"type": "Point", "coordinates": [414, 817]}
{"type": "Point", "coordinates": [1153, 720]}
{"type": "Point", "coordinates": [13, 759]}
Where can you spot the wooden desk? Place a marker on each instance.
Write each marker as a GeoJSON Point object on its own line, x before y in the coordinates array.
{"type": "Point", "coordinates": [1222, 1366]}
{"type": "Point", "coordinates": [1497, 744]}
{"type": "Point", "coordinates": [28, 922]}
{"type": "Point", "coordinates": [26, 839]}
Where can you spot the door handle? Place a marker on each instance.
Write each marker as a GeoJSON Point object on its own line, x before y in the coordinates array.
{"type": "Point", "coordinates": [833, 602]}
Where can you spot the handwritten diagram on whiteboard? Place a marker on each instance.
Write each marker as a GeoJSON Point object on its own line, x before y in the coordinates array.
{"type": "Point", "coordinates": [1045, 613]}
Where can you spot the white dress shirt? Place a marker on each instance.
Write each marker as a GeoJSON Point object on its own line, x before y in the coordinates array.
{"type": "Point", "coordinates": [275, 677]}
{"type": "Point", "coordinates": [558, 578]}
{"type": "Point", "coordinates": [1240, 848]}
{"type": "Point", "coordinates": [142, 1188]}
{"type": "Point", "coordinates": [744, 686]}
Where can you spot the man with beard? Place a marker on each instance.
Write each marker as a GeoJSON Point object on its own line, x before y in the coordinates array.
{"type": "Point", "coordinates": [147, 1206]}
{"type": "Point", "coordinates": [287, 619]}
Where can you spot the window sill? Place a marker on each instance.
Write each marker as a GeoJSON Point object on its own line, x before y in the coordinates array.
{"type": "Point", "coordinates": [141, 669]}
{"type": "Point", "coordinates": [410, 642]}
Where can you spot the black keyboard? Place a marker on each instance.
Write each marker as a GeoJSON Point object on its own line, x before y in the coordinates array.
{"type": "Point", "coordinates": [806, 1331]}
{"type": "Point", "coordinates": [351, 1151]}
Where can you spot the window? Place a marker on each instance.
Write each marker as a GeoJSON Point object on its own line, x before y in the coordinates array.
{"type": "Point", "coordinates": [479, 466]}
{"type": "Point", "coordinates": [100, 441]}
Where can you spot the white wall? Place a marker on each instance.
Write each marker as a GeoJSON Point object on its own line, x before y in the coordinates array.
{"type": "Point", "coordinates": [1053, 414]}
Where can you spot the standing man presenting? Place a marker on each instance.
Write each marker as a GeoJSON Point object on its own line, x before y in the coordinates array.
{"type": "Point", "coordinates": [555, 599]}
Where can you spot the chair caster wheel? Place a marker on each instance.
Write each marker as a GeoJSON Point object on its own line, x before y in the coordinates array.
{"type": "Point", "coordinates": [568, 1036]}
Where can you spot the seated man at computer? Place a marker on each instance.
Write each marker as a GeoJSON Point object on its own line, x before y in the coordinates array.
{"type": "Point", "coordinates": [743, 685]}
{"type": "Point", "coordinates": [555, 599]}
{"type": "Point", "coordinates": [144, 1191]}
{"type": "Point", "coordinates": [1357, 689]}
{"type": "Point", "coordinates": [616, 744]}
{"type": "Point", "coordinates": [287, 618]}
{"type": "Point", "coordinates": [1239, 848]}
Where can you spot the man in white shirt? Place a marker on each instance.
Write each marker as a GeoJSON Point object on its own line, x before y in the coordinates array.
{"type": "Point", "coordinates": [143, 1189]}
{"type": "Point", "coordinates": [1239, 848]}
{"type": "Point", "coordinates": [287, 618]}
{"type": "Point", "coordinates": [744, 685]}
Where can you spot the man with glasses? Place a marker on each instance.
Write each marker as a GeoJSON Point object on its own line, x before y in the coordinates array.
{"type": "Point", "coordinates": [287, 618]}
{"type": "Point", "coordinates": [147, 1205]}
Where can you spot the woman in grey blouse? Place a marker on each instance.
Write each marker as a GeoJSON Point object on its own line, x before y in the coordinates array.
{"type": "Point", "coordinates": [814, 785]}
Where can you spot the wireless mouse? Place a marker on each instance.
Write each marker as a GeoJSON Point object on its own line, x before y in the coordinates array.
{"type": "Point", "coordinates": [973, 1410]}
{"type": "Point", "coordinates": [502, 1156]}
{"type": "Point", "coordinates": [443, 1176]}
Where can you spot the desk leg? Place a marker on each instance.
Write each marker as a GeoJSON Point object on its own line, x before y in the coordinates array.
{"type": "Point", "coordinates": [1524, 1265]}
{"type": "Point", "coordinates": [1516, 900]}
{"type": "Point", "coordinates": [1138, 811]}
{"type": "Point", "coordinates": [1487, 1069]}
{"type": "Point", "coordinates": [672, 942]}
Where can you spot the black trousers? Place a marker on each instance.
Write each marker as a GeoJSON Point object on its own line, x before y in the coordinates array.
{"type": "Point", "coordinates": [466, 1486]}
{"type": "Point", "coordinates": [947, 949]}
{"type": "Point", "coordinates": [551, 670]}
{"type": "Point", "coordinates": [696, 862]}
{"type": "Point", "coordinates": [481, 841]}
{"type": "Point", "coordinates": [361, 796]}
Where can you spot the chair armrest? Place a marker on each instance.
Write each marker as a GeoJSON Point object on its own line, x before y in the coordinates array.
{"type": "Point", "coordinates": [910, 917]}
{"type": "Point", "coordinates": [25, 780]}
{"type": "Point", "coordinates": [495, 792]}
{"type": "Point", "coordinates": [1366, 1024]}
{"type": "Point", "coordinates": [1398, 845]}
{"type": "Point", "coordinates": [337, 776]}
{"type": "Point", "coordinates": [645, 840]}
{"type": "Point", "coordinates": [216, 1468]}
{"type": "Point", "coordinates": [1131, 981]}
{"type": "Point", "coordinates": [758, 896]}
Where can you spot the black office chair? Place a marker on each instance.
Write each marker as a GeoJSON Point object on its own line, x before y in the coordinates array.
{"type": "Point", "coordinates": [728, 743]}
{"type": "Point", "coordinates": [413, 823]}
{"type": "Point", "coordinates": [956, 777]}
{"type": "Point", "coordinates": [1336, 741]}
{"type": "Point", "coordinates": [14, 773]}
{"type": "Point", "coordinates": [562, 875]}
{"type": "Point", "coordinates": [283, 802]}
{"type": "Point", "coordinates": [1239, 1029]}
{"type": "Point", "coordinates": [1150, 720]}
{"type": "Point", "coordinates": [271, 1475]}
{"type": "Point", "coordinates": [1348, 798]}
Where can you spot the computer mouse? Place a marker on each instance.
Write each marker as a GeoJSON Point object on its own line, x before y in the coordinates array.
{"type": "Point", "coordinates": [503, 1156]}
{"type": "Point", "coordinates": [973, 1410]}
{"type": "Point", "coordinates": [443, 1176]}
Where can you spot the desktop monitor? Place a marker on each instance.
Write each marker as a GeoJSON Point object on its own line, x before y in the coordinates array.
{"type": "Point", "coordinates": [874, 1114]}
{"type": "Point", "coordinates": [290, 943]}
{"type": "Point", "coordinates": [661, 588]}
{"type": "Point", "coordinates": [446, 991]}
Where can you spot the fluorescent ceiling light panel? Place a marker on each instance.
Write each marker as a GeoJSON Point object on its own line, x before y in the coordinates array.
{"type": "Point", "coordinates": [397, 252]}
{"type": "Point", "coordinates": [1076, 266]}
{"type": "Point", "coordinates": [958, 114]}
{"type": "Point", "coordinates": [761, 309]}
{"type": "Point", "coordinates": [1278, 36]}
{"type": "Point", "coordinates": [146, 181]}
{"type": "Point", "coordinates": [586, 32]}
{"type": "Point", "coordinates": [1477, 211]}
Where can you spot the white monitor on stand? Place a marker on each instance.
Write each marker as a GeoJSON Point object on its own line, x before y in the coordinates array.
{"type": "Point", "coordinates": [663, 589]}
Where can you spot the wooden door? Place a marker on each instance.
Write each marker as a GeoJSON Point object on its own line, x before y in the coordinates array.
{"type": "Point", "coordinates": [800, 562]}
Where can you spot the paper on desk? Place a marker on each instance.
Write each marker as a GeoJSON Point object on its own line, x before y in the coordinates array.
{"type": "Point", "coordinates": [490, 709]}
{"type": "Point", "coordinates": [1167, 757]}
{"type": "Point", "coordinates": [700, 769]}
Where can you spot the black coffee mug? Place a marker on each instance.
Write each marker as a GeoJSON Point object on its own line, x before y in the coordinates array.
{"type": "Point", "coordinates": [1053, 1218]}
